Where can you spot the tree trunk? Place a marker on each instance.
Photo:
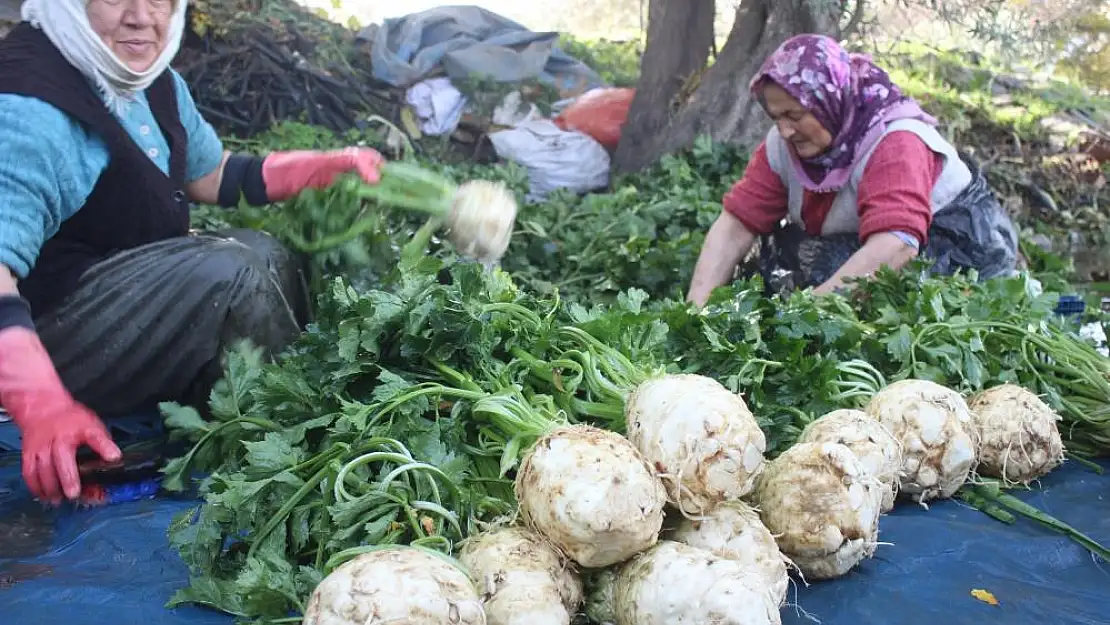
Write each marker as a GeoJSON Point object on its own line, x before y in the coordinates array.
{"type": "Point", "coordinates": [675, 103]}
{"type": "Point", "coordinates": [679, 36]}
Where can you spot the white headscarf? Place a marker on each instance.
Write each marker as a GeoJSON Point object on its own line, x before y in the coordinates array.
{"type": "Point", "coordinates": [66, 24]}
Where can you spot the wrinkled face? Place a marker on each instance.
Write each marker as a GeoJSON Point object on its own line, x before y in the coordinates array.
{"type": "Point", "coordinates": [801, 130]}
{"type": "Point", "coordinates": [135, 30]}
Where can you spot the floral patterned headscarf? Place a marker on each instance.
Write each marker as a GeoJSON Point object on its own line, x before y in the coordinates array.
{"type": "Point", "coordinates": [852, 98]}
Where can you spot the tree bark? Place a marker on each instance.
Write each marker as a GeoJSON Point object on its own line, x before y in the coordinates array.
{"type": "Point", "coordinates": [720, 105]}
{"type": "Point", "coordinates": [679, 37]}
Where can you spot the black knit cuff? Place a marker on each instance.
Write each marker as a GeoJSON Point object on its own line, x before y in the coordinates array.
{"type": "Point", "coordinates": [243, 178]}
{"type": "Point", "coordinates": [15, 312]}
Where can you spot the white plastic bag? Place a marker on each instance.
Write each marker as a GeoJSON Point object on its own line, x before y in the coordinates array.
{"type": "Point", "coordinates": [555, 158]}
{"type": "Point", "coordinates": [513, 110]}
{"type": "Point", "coordinates": [1096, 335]}
{"type": "Point", "coordinates": [438, 104]}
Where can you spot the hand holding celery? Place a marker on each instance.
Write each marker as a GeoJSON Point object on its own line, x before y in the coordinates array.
{"type": "Point", "coordinates": [479, 214]}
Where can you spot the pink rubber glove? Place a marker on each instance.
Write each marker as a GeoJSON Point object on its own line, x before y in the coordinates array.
{"type": "Point", "coordinates": [54, 426]}
{"type": "Point", "coordinates": [288, 173]}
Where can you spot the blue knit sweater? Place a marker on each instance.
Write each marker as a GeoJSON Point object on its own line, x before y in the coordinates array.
{"type": "Point", "coordinates": [49, 165]}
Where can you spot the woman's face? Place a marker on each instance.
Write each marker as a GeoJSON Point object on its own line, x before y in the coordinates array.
{"type": "Point", "coordinates": [135, 30]}
{"type": "Point", "coordinates": [801, 130]}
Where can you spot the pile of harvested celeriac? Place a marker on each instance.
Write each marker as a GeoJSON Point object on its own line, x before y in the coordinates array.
{"type": "Point", "coordinates": [591, 533]}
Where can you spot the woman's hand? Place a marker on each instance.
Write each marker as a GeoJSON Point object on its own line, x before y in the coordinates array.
{"type": "Point", "coordinates": [53, 425]}
{"type": "Point", "coordinates": [879, 250]}
{"type": "Point", "coordinates": [726, 244]}
{"type": "Point", "coordinates": [288, 173]}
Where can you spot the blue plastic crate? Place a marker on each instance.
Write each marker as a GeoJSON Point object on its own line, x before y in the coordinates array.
{"type": "Point", "coordinates": [142, 426]}
{"type": "Point", "coordinates": [1071, 306]}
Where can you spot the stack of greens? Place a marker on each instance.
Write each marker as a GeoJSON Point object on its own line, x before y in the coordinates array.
{"type": "Point", "coordinates": [401, 415]}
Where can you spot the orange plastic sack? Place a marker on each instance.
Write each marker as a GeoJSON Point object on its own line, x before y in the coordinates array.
{"type": "Point", "coordinates": [599, 113]}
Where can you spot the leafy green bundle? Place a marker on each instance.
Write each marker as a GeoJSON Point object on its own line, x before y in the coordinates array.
{"type": "Point", "coordinates": [399, 416]}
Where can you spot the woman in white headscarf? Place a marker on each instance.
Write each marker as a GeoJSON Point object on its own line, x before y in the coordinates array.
{"type": "Point", "coordinates": [108, 304]}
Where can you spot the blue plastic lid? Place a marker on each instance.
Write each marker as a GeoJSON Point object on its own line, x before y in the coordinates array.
{"type": "Point", "coordinates": [1070, 305]}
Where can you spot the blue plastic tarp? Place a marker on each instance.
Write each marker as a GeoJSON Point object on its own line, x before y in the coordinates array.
{"type": "Point", "coordinates": [471, 41]}
{"type": "Point", "coordinates": [113, 565]}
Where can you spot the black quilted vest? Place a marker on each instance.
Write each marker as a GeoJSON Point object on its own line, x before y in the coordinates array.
{"type": "Point", "coordinates": [133, 202]}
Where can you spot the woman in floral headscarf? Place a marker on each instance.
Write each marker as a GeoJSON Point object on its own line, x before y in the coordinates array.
{"type": "Point", "coordinates": [861, 176]}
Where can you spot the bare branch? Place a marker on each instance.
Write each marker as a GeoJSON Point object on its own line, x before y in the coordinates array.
{"type": "Point", "coordinates": [855, 21]}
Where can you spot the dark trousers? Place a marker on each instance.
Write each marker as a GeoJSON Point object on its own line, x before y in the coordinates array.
{"type": "Point", "coordinates": [151, 324]}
